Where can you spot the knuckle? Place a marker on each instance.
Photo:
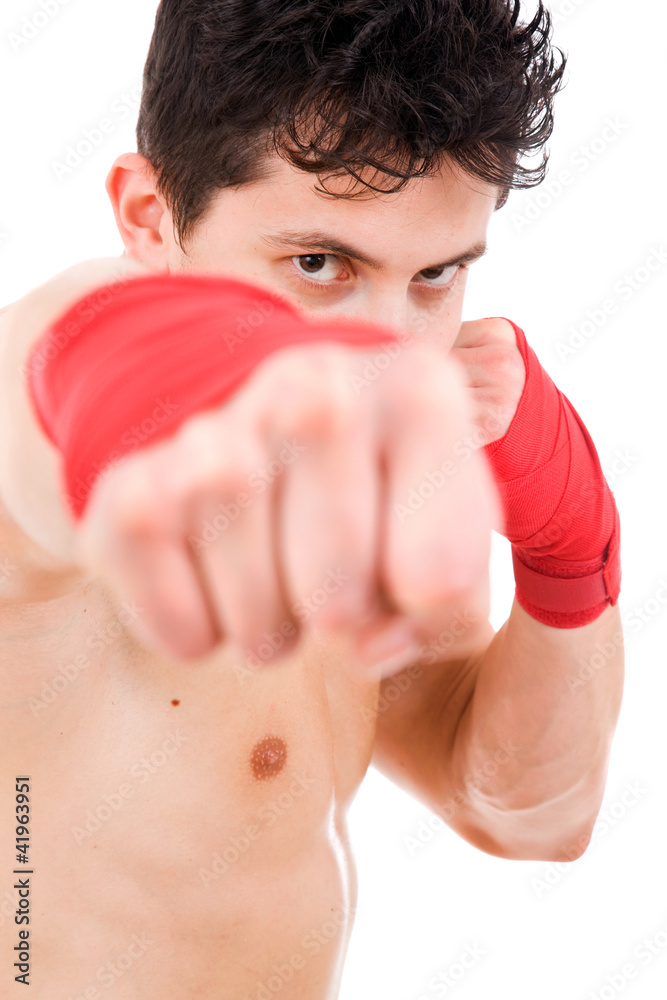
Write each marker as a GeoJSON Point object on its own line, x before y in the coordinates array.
{"type": "Point", "coordinates": [482, 332]}
{"type": "Point", "coordinates": [227, 484]}
{"type": "Point", "coordinates": [427, 383]}
{"type": "Point", "coordinates": [134, 503]}
{"type": "Point", "coordinates": [210, 459]}
{"type": "Point", "coordinates": [506, 362]}
{"type": "Point", "coordinates": [423, 586]}
{"type": "Point", "coordinates": [497, 328]}
{"type": "Point", "coordinates": [312, 396]}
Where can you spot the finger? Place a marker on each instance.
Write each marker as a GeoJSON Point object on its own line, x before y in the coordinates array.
{"type": "Point", "coordinates": [229, 511]}
{"type": "Point", "coordinates": [440, 499]}
{"type": "Point", "coordinates": [127, 535]}
{"type": "Point", "coordinates": [495, 375]}
{"type": "Point", "coordinates": [329, 498]}
{"type": "Point", "coordinates": [175, 619]}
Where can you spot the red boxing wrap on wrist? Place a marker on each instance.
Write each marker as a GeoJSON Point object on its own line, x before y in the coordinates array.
{"type": "Point", "coordinates": [560, 514]}
{"type": "Point", "coordinates": [99, 376]}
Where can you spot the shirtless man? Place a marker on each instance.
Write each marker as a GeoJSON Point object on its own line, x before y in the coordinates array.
{"type": "Point", "coordinates": [187, 733]}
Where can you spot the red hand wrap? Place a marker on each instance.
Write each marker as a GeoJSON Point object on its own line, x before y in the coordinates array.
{"type": "Point", "coordinates": [104, 367]}
{"type": "Point", "coordinates": [560, 513]}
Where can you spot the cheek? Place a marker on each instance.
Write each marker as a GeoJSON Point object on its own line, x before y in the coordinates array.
{"type": "Point", "coordinates": [177, 260]}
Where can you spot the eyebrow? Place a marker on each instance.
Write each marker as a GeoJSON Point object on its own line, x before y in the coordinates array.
{"type": "Point", "coordinates": [324, 242]}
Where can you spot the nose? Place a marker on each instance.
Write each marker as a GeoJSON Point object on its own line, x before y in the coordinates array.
{"type": "Point", "coordinates": [386, 307]}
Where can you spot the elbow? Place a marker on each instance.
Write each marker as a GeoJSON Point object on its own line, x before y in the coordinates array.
{"type": "Point", "coordinates": [563, 852]}
{"type": "Point", "coordinates": [525, 835]}
{"type": "Point", "coordinates": [530, 846]}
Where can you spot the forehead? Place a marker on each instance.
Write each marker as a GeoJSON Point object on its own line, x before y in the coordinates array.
{"type": "Point", "coordinates": [442, 207]}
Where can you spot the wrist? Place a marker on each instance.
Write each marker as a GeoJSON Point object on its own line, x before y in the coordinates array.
{"type": "Point", "coordinates": [560, 514]}
{"type": "Point", "coordinates": [568, 594]}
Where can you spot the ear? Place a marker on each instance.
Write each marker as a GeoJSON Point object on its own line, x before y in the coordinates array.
{"type": "Point", "coordinates": [143, 219]}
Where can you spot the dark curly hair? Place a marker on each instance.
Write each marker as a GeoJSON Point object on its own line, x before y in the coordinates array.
{"type": "Point", "coordinates": [344, 86]}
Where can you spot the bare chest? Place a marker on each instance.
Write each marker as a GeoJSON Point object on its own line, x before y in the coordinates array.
{"type": "Point", "coordinates": [81, 697]}
{"type": "Point", "coordinates": [194, 787]}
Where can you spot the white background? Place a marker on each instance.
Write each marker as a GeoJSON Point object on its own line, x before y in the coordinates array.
{"type": "Point", "coordinates": [554, 258]}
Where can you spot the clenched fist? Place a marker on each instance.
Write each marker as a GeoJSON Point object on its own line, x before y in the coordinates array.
{"type": "Point", "coordinates": [315, 496]}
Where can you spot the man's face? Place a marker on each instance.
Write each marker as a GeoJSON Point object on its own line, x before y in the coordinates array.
{"type": "Point", "coordinates": [396, 259]}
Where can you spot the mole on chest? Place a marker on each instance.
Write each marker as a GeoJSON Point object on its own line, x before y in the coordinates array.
{"type": "Point", "coordinates": [268, 757]}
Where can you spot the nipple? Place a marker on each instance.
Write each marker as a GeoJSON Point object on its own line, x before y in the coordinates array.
{"type": "Point", "coordinates": [268, 757]}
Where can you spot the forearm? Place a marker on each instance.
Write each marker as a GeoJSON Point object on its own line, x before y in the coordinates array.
{"type": "Point", "coordinates": [30, 479]}
{"type": "Point", "coordinates": [555, 696]}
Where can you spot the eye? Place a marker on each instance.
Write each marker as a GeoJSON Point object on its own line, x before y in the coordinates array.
{"type": "Point", "coordinates": [438, 276]}
{"type": "Point", "coordinates": [321, 267]}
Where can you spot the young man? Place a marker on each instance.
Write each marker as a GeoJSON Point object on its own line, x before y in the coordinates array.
{"type": "Point", "coordinates": [246, 533]}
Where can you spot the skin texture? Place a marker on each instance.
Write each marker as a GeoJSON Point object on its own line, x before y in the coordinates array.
{"type": "Point", "coordinates": [153, 821]}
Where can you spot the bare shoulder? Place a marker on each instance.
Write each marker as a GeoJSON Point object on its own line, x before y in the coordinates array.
{"type": "Point", "coordinates": [29, 462]}
{"type": "Point", "coordinates": [42, 304]}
